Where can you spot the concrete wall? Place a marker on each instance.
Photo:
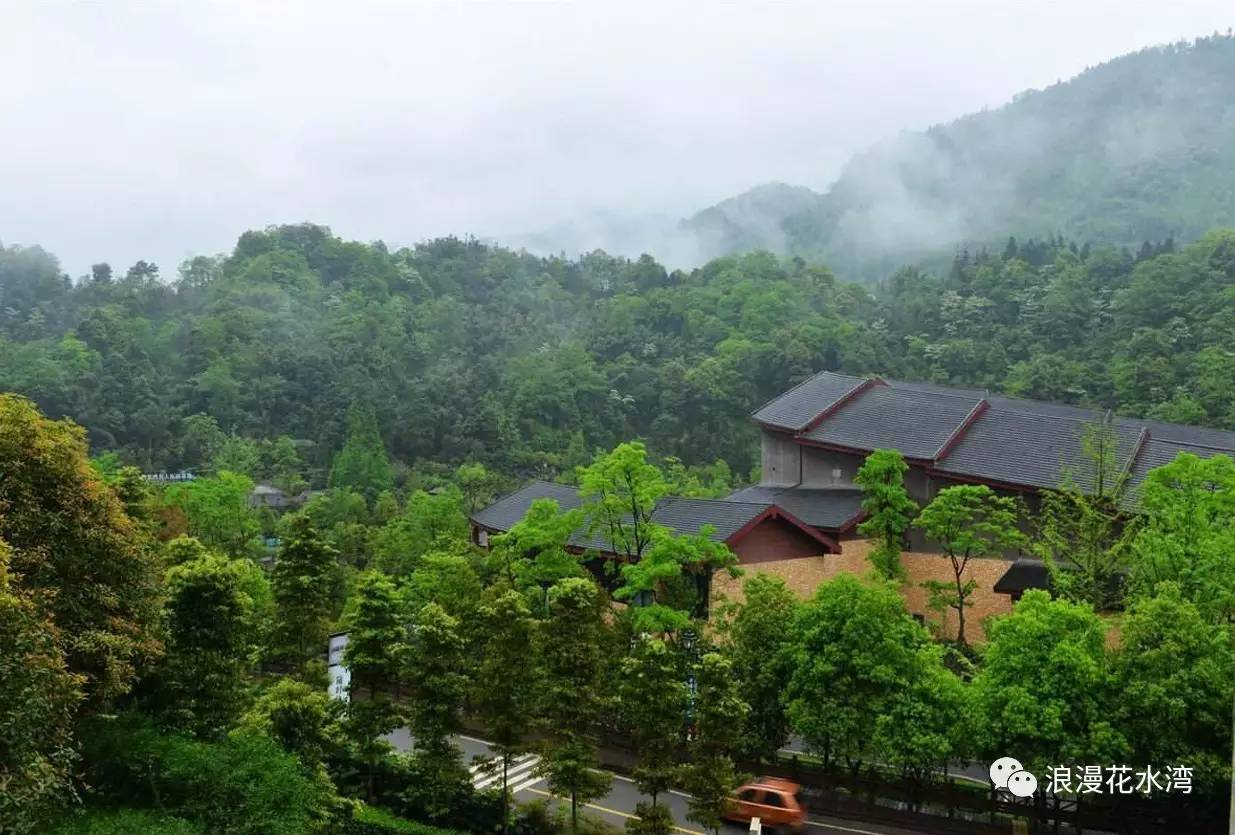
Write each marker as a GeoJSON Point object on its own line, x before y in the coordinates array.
{"type": "Point", "coordinates": [825, 468]}
{"type": "Point", "coordinates": [804, 574]}
{"type": "Point", "coordinates": [781, 460]}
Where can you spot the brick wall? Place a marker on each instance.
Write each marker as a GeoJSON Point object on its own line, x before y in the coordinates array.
{"type": "Point", "coordinates": [804, 574]}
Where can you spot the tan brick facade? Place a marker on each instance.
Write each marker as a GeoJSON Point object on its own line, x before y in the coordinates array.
{"type": "Point", "coordinates": [804, 574]}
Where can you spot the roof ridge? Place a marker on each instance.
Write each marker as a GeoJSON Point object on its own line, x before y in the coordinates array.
{"type": "Point", "coordinates": [1151, 438]}
{"type": "Point", "coordinates": [819, 373]}
{"type": "Point", "coordinates": [938, 389]}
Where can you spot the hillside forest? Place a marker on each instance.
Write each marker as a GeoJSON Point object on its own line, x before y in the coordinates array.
{"type": "Point", "coordinates": [462, 352]}
{"type": "Point", "coordinates": [1135, 148]}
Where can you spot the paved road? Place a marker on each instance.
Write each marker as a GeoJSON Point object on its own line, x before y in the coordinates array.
{"type": "Point", "coordinates": [618, 805]}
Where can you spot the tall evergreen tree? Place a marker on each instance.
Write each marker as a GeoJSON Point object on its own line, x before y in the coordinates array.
{"type": "Point", "coordinates": [573, 643]}
{"type": "Point", "coordinates": [437, 685]}
{"type": "Point", "coordinates": [376, 644]}
{"type": "Point", "coordinates": [653, 701]}
{"type": "Point", "coordinates": [362, 464]}
{"type": "Point", "coordinates": [212, 637]}
{"type": "Point", "coordinates": [720, 712]}
{"type": "Point", "coordinates": [303, 582]}
{"type": "Point", "coordinates": [504, 688]}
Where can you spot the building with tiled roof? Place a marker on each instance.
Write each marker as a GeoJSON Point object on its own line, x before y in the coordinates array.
{"type": "Point", "coordinates": [955, 436]}
{"type": "Point", "coordinates": [755, 531]}
{"type": "Point", "coordinates": [800, 521]}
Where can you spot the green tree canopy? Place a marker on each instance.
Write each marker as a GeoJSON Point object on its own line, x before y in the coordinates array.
{"type": "Point", "coordinates": [73, 544]}
{"type": "Point", "coordinates": [889, 510]}
{"type": "Point", "coordinates": [362, 464]}
{"type": "Point", "coordinates": [1045, 687]}
{"type": "Point", "coordinates": [968, 522]}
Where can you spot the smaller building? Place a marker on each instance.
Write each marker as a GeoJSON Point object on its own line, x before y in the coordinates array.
{"type": "Point", "coordinates": [757, 529]}
{"type": "Point", "coordinates": [267, 495]}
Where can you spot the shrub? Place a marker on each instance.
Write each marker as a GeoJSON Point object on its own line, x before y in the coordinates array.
{"type": "Point", "coordinates": [123, 821]}
{"type": "Point", "coordinates": [244, 784]}
{"type": "Point", "coordinates": [370, 820]}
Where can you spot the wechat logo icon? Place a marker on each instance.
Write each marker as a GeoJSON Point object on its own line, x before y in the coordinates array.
{"type": "Point", "coordinates": [1008, 773]}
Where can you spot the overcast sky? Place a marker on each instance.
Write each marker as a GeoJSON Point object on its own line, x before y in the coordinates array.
{"type": "Point", "coordinates": [158, 130]}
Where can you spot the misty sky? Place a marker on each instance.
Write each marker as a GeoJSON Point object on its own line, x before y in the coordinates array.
{"type": "Point", "coordinates": [160, 130]}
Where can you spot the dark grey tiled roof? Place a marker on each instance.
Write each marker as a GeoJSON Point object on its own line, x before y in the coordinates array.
{"type": "Point", "coordinates": [1016, 442]}
{"type": "Point", "coordinates": [506, 511]}
{"type": "Point", "coordinates": [918, 421]}
{"type": "Point", "coordinates": [689, 515]}
{"type": "Point", "coordinates": [1158, 453]}
{"type": "Point", "coordinates": [828, 508]}
{"type": "Point", "coordinates": [682, 515]}
{"type": "Point", "coordinates": [1199, 435]}
{"type": "Point", "coordinates": [1028, 449]}
{"type": "Point", "coordinates": [810, 398]}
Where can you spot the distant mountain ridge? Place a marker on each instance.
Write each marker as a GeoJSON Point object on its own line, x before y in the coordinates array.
{"type": "Point", "coordinates": [1139, 148]}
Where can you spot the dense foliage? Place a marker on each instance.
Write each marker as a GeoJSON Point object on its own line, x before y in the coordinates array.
{"type": "Point", "coordinates": [228, 727]}
{"type": "Point", "coordinates": [259, 362]}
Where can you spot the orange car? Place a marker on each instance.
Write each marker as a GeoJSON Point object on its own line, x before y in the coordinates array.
{"type": "Point", "coordinates": [773, 800]}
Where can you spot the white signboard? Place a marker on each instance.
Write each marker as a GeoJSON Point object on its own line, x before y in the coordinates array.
{"type": "Point", "coordinates": [340, 676]}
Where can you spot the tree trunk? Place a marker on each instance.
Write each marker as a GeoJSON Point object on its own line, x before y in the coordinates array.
{"type": "Point", "coordinates": [505, 792]}
{"type": "Point", "coordinates": [958, 570]}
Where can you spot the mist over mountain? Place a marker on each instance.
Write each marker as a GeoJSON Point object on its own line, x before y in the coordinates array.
{"type": "Point", "coordinates": [1139, 148]}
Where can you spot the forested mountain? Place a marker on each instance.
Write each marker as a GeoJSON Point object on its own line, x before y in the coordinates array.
{"type": "Point", "coordinates": [1139, 148]}
{"type": "Point", "coordinates": [465, 351]}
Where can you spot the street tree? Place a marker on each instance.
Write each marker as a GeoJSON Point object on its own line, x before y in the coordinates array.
{"type": "Point", "coordinates": [761, 635]}
{"type": "Point", "coordinates": [303, 582]}
{"type": "Point", "coordinates": [504, 687]}
{"type": "Point", "coordinates": [437, 686]}
{"type": "Point", "coordinates": [719, 714]}
{"type": "Point", "coordinates": [889, 510]}
{"type": "Point", "coordinates": [1175, 672]}
{"type": "Point", "coordinates": [855, 654]}
{"type": "Point", "coordinates": [927, 722]}
{"type": "Point", "coordinates": [968, 522]}
{"type": "Point", "coordinates": [376, 644]}
{"type": "Point", "coordinates": [1045, 687]}
{"type": "Point", "coordinates": [573, 643]}
{"type": "Point", "coordinates": [653, 702]}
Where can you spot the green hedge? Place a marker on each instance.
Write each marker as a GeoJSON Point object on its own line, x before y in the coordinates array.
{"type": "Point", "coordinates": [370, 820]}
{"type": "Point", "coordinates": [123, 821]}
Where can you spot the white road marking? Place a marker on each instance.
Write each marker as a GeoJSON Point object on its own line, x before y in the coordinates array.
{"type": "Point", "coordinates": [526, 785]}
{"type": "Point", "coordinates": [519, 768]}
{"type": "Point", "coordinates": [836, 828]}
